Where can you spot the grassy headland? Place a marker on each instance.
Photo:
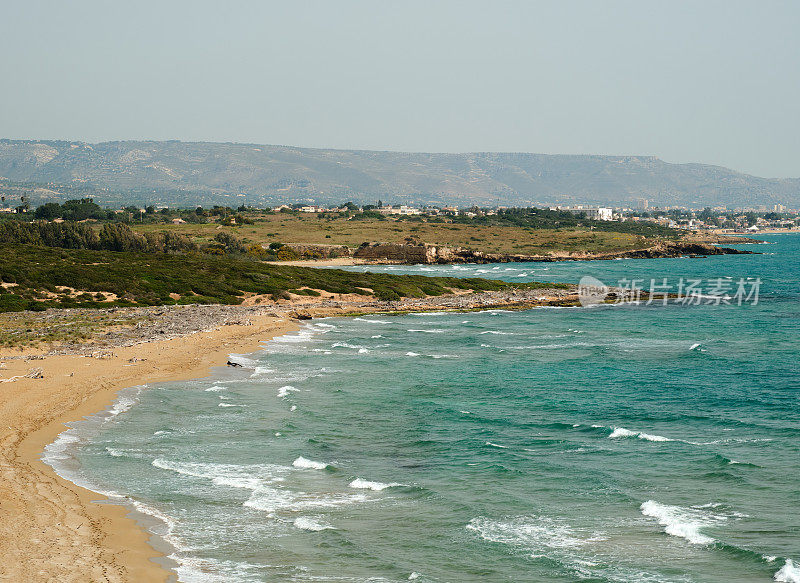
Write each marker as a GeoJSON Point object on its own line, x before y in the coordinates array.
{"type": "Point", "coordinates": [523, 235]}
{"type": "Point", "coordinates": [38, 277]}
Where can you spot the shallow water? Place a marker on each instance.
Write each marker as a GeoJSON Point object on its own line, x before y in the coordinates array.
{"type": "Point", "coordinates": [615, 443]}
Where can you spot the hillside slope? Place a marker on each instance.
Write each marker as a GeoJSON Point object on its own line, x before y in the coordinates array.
{"type": "Point", "coordinates": [258, 173]}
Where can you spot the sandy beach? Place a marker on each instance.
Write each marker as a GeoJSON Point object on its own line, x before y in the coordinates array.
{"type": "Point", "coordinates": [335, 262]}
{"type": "Point", "coordinates": [51, 529]}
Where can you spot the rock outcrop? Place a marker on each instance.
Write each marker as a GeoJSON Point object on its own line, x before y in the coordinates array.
{"type": "Point", "coordinates": [408, 253]}
{"type": "Point", "coordinates": [319, 251]}
{"type": "Point", "coordinates": [424, 253]}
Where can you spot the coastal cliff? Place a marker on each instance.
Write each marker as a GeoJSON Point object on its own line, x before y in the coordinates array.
{"type": "Point", "coordinates": [424, 253]}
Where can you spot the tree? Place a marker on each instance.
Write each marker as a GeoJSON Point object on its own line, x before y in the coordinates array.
{"type": "Point", "coordinates": [48, 212]}
{"type": "Point", "coordinates": [79, 210]}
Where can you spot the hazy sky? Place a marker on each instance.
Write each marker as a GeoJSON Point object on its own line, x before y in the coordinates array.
{"type": "Point", "coordinates": [701, 81]}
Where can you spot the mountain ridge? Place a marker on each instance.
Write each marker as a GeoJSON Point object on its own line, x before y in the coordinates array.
{"type": "Point", "coordinates": [258, 173]}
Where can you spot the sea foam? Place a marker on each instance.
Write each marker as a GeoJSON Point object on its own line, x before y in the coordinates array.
{"type": "Point", "coordinates": [284, 391]}
{"type": "Point", "coordinates": [622, 432]}
{"type": "Point", "coordinates": [312, 524]}
{"type": "Point", "coordinates": [272, 500]}
{"type": "Point", "coordinates": [368, 485]}
{"type": "Point", "coordinates": [307, 464]}
{"type": "Point", "coordinates": [249, 477]}
{"type": "Point", "coordinates": [534, 533]}
{"type": "Point", "coordinates": [682, 522]}
{"type": "Point", "coordinates": [789, 573]}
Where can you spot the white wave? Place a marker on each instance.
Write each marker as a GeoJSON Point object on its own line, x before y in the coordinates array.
{"type": "Point", "coordinates": [438, 356]}
{"type": "Point", "coordinates": [430, 331]}
{"type": "Point", "coordinates": [312, 524]}
{"type": "Point", "coordinates": [622, 432]}
{"type": "Point", "coordinates": [207, 570]}
{"type": "Point", "coordinates": [682, 522]}
{"type": "Point", "coordinates": [412, 353]}
{"type": "Point", "coordinates": [363, 351]}
{"type": "Point", "coordinates": [165, 528]}
{"type": "Point", "coordinates": [262, 370]}
{"type": "Point", "coordinates": [307, 464]}
{"type": "Point", "coordinates": [323, 325]}
{"type": "Point", "coordinates": [694, 346]}
{"type": "Point", "coordinates": [536, 534]}
{"type": "Point", "coordinates": [284, 391]}
{"type": "Point", "coordinates": [789, 573]}
{"type": "Point", "coordinates": [272, 500]}
{"type": "Point", "coordinates": [293, 408]}
{"type": "Point", "coordinates": [490, 444]}
{"type": "Point", "coordinates": [233, 475]}
{"type": "Point", "coordinates": [368, 485]}
{"type": "Point", "coordinates": [60, 453]}
{"type": "Point", "coordinates": [301, 336]}
{"type": "Point", "coordinates": [650, 437]}
{"type": "Point", "coordinates": [376, 336]}
{"type": "Point", "coordinates": [215, 389]}
{"type": "Point", "coordinates": [229, 405]}
{"type": "Point", "coordinates": [123, 403]}
{"type": "Point", "coordinates": [57, 450]}
{"type": "Point", "coordinates": [345, 345]}
{"type": "Point", "coordinates": [372, 321]}
{"type": "Point", "coordinates": [498, 333]}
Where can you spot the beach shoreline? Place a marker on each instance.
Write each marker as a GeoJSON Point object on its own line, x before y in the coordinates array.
{"type": "Point", "coordinates": [54, 529]}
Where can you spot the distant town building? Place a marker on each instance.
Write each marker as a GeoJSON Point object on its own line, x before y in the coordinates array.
{"type": "Point", "coordinates": [593, 213]}
{"type": "Point", "coordinates": [399, 210]}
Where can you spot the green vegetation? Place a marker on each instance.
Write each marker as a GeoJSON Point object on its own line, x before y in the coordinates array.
{"type": "Point", "coordinates": [36, 278]}
{"type": "Point", "coordinates": [536, 218]}
{"type": "Point", "coordinates": [111, 237]}
{"type": "Point", "coordinates": [26, 329]}
{"type": "Point", "coordinates": [478, 233]}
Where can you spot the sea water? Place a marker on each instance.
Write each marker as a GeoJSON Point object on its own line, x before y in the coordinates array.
{"type": "Point", "coordinates": [620, 443]}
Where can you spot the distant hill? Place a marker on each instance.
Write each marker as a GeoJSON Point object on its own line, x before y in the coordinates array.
{"type": "Point", "coordinates": [188, 173]}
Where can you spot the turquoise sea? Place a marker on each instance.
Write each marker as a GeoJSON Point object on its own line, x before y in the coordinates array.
{"type": "Point", "coordinates": [628, 443]}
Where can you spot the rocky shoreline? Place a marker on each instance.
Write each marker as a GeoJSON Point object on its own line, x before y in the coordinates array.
{"type": "Point", "coordinates": [149, 324]}
{"type": "Point", "coordinates": [424, 253]}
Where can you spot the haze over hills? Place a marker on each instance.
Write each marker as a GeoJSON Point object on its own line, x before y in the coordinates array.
{"type": "Point", "coordinates": [173, 172]}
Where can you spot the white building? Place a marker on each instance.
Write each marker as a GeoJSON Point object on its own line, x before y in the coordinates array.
{"type": "Point", "coordinates": [399, 210]}
{"type": "Point", "coordinates": [593, 213]}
